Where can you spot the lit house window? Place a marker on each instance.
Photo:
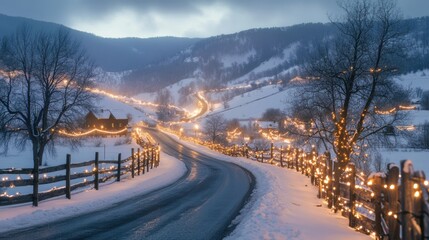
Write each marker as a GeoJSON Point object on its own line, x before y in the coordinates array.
{"type": "Point", "coordinates": [101, 126]}
{"type": "Point", "coordinates": [113, 125]}
{"type": "Point", "coordinates": [120, 124]}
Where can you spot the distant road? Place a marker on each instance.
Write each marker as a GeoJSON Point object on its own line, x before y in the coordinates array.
{"type": "Point", "coordinates": [200, 205]}
{"type": "Point", "coordinates": [203, 104]}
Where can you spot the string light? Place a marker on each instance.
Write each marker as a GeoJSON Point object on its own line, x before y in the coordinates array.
{"type": "Point", "coordinates": [62, 132]}
{"type": "Point", "coordinates": [417, 194]}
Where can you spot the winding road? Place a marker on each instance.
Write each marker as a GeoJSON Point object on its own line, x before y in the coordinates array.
{"type": "Point", "coordinates": [200, 205]}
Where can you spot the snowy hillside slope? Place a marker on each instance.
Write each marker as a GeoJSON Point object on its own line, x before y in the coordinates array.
{"type": "Point", "coordinates": [252, 105]}
{"type": "Point", "coordinates": [419, 79]}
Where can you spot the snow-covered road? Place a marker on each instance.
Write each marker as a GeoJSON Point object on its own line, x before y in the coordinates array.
{"type": "Point", "coordinates": [200, 205]}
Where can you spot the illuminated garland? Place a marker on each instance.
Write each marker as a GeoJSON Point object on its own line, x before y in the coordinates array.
{"type": "Point", "coordinates": [80, 134]}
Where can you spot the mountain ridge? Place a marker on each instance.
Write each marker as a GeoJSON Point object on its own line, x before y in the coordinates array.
{"type": "Point", "coordinates": [150, 64]}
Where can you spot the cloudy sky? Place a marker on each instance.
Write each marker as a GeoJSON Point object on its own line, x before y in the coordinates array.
{"type": "Point", "coordinates": [183, 18]}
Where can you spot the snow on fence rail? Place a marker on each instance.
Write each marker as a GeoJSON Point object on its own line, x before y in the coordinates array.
{"type": "Point", "coordinates": [100, 171]}
{"type": "Point", "coordinates": [388, 205]}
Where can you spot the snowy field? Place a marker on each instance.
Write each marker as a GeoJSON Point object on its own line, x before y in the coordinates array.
{"type": "Point", "coordinates": [24, 215]}
{"type": "Point", "coordinates": [108, 149]}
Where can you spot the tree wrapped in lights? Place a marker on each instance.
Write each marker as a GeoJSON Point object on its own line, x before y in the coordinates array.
{"type": "Point", "coordinates": [350, 79]}
{"type": "Point", "coordinates": [43, 90]}
{"type": "Point", "coordinates": [215, 128]}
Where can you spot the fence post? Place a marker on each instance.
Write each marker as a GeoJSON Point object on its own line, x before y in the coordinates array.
{"type": "Point", "coordinates": [406, 201]}
{"type": "Point", "coordinates": [138, 161]}
{"type": "Point", "coordinates": [419, 201]}
{"type": "Point", "coordinates": [152, 155]}
{"type": "Point", "coordinates": [297, 160]}
{"type": "Point", "coordinates": [68, 162]}
{"type": "Point", "coordinates": [305, 164]}
{"type": "Point", "coordinates": [336, 186]}
{"type": "Point", "coordinates": [321, 177]}
{"type": "Point", "coordinates": [288, 156]}
{"type": "Point", "coordinates": [132, 162]}
{"type": "Point", "coordinates": [118, 177]}
{"type": "Point", "coordinates": [330, 179]}
{"type": "Point", "coordinates": [96, 171]}
{"type": "Point", "coordinates": [272, 150]}
{"type": "Point", "coordinates": [147, 160]}
{"type": "Point", "coordinates": [158, 155]}
{"type": "Point", "coordinates": [144, 160]}
{"type": "Point", "coordinates": [377, 184]}
{"type": "Point", "coordinates": [392, 197]}
{"type": "Point", "coordinates": [313, 169]}
{"type": "Point", "coordinates": [247, 151]}
{"type": "Point", "coordinates": [301, 162]}
{"type": "Point", "coordinates": [281, 156]}
{"type": "Point", "coordinates": [352, 196]}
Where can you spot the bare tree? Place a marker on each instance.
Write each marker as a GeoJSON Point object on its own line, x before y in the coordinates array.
{"type": "Point", "coordinates": [424, 101]}
{"type": "Point", "coordinates": [43, 90]}
{"type": "Point", "coordinates": [215, 127]}
{"type": "Point", "coordinates": [272, 114]}
{"type": "Point", "coordinates": [349, 89]}
{"type": "Point", "coordinates": [261, 144]}
{"type": "Point", "coordinates": [164, 111]}
{"type": "Point", "coordinates": [420, 139]}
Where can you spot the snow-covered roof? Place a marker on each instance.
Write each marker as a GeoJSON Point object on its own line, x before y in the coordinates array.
{"type": "Point", "coordinates": [105, 114]}
{"type": "Point", "coordinates": [267, 124]}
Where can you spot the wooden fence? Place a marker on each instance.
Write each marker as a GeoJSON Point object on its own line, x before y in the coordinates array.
{"type": "Point", "coordinates": [393, 204]}
{"type": "Point", "coordinates": [138, 163]}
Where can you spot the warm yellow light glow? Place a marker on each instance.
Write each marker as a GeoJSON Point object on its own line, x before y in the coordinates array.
{"type": "Point", "coordinates": [80, 134]}
{"type": "Point", "coordinates": [417, 194]}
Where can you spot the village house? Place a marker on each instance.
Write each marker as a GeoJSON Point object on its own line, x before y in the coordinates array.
{"type": "Point", "coordinates": [104, 120]}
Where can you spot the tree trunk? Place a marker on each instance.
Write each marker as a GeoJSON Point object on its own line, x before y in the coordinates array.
{"type": "Point", "coordinates": [36, 165]}
{"type": "Point", "coordinates": [40, 153]}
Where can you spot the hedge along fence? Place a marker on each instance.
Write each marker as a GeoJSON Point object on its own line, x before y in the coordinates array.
{"type": "Point", "coordinates": [388, 205]}
{"type": "Point", "coordinates": [138, 163]}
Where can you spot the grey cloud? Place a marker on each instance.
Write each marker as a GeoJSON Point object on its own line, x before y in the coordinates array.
{"type": "Point", "coordinates": [242, 14]}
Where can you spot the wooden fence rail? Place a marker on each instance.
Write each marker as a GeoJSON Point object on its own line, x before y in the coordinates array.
{"type": "Point", "coordinates": [134, 164]}
{"type": "Point", "coordinates": [393, 204]}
